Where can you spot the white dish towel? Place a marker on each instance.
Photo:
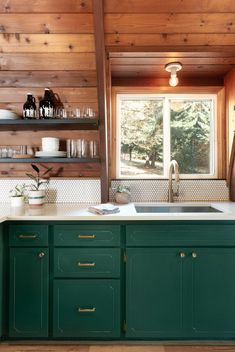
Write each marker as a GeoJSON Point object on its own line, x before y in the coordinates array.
{"type": "Point", "coordinates": [104, 209]}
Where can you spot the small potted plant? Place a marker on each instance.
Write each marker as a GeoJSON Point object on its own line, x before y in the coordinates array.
{"type": "Point", "coordinates": [36, 195]}
{"type": "Point", "coordinates": [17, 195]}
{"type": "Point", "coordinates": [122, 194]}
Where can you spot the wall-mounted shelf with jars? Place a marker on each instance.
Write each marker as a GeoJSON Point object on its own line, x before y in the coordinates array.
{"type": "Point", "coordinates": [50, 124]}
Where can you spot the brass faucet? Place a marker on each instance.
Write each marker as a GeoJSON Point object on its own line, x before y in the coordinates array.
{"type": "Point", "coordinates": [173, 190]}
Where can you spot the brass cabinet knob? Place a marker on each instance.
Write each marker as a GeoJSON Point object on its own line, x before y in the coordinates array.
{"type": "Point", "coordinates": [182, 255]}
{"type": "Point", "coordinates": [194, 254]}
{"type": "Point", "coordinates": [41, 254]}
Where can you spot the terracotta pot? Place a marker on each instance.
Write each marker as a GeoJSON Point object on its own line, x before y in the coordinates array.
{"type": "Point", "coordinates": [17, 201]}
{"type": "Point", "coordinates": [122, 198]}
{"type": "Point", "coordinates": [36, 198]}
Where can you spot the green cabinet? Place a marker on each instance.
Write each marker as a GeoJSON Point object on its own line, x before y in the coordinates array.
{"type": "Point", "coordinates": [212, 296]}
{"type": "Point", "coordinates": [158, 280]}
{"type": "Point", "coordinates": [28, 292]}
{"type": "Point", "coordinates": [86, 308]}
{"type": "Point", "coordinates": [180, 292]}
{"type": "Point", "coordinates": [154, 292]}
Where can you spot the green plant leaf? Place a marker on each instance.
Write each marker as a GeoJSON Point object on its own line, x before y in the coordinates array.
{"type": "Point", "coordinates": [35, 168]}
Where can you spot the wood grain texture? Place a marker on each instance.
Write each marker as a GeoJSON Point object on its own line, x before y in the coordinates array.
{"type": "Point", "coordinates": [158, 82]}
{"type": "Point", "coordinates": [67, 95]}
{"type": "Point", "coordinates": [170, 23]}
{"type": "Point", "coordinates": [45, 43]}
{"type": "Point", "coordinates": [48, 79]}
{"type": "Point", "coordinates": [42, 6]}
{"type": "Point", "coordinates": [68, 347]}
{"type": "Point", "coordinates": [18, 170]}
{"type": "Point", "coordinates": [178, 6]}
{"type": "Point", "coordinates": [168, 39]}
{"type": "Point", "coordinates": [48, 61]}
{"type": "Point", "coordinates": [46, 23]}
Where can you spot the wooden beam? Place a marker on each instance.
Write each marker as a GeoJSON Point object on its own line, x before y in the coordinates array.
{"type": "Point", "coordinates": [98, 9]}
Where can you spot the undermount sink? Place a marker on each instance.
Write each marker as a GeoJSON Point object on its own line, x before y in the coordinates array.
{"type": "Point", "coordinates": [176, 209]}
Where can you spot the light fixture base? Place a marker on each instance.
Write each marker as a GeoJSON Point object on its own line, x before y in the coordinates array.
{"type": "Point", "coordinates": [177, 66]}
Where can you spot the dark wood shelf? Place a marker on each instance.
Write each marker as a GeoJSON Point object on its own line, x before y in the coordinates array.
{"type": "Point", "coordinates": [50, 124]}
{"type": "Point", "coordinates": [50, 160]}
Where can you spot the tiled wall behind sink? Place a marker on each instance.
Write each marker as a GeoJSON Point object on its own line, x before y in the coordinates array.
{"type": "Point", "coordinates": [189, 190]}
{"type": "Point", "coordinates": [59, 191]}
{"type": "Point", "coordinates": [88, 191]}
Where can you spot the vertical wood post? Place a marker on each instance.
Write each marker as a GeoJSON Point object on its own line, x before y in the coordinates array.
{"type": "Point", "coordinates": [98, 15]}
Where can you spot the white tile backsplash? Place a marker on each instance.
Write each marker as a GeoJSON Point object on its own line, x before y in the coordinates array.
{"type": "Point", "coordinates": [88, 191]}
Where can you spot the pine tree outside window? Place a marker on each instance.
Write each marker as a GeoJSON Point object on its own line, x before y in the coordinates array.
{"type": "Point", "coordinates": [153, 129]}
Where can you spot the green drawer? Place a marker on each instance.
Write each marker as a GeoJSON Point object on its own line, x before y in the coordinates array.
{"type": "Point", "coordinates": [87, 262]}
{"type": "Point", "coordinates": [87, 235]}
{"type": "Point", "coordinates": [28, 235]}
{"type": "Point", "coordinates": [86, 308]}
{"type": "Point", "coordinates": [181, 234]}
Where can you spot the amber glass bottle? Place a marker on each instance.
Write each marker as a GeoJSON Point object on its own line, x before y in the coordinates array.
{"type": "Point", "coordinates": [46, 106]}
{"type": "Point", "coordinates": [29, 108]}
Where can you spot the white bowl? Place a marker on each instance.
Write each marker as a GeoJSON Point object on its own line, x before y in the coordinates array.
{"type": "Point", "coordinates": [7, 114]}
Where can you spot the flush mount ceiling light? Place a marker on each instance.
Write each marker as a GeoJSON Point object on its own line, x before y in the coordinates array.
{"type": "Point", "coordinates": [173, 67]}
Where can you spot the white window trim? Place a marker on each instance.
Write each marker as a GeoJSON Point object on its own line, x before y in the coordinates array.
{"type": "Point", "coordinates": [166, 133]}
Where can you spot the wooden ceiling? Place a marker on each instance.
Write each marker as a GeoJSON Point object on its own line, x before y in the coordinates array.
{"type": "Point", "coordinates": [141, 36]}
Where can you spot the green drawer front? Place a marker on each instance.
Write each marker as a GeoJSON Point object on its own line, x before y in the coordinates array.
{"type": "Point", "coordinates": [184, 234]}
{"type": "Point", "coordinates": [86, 308]}
{"type": "Point", "coordinates": [89, 263]}
{"type": "Point", "coordinates": [87, 235]}
{"type": "Point", "coordinates": [28, 235]}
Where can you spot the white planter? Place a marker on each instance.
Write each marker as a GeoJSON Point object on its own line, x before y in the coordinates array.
{"type": "Point", "coordinates": [36, 198]}
{"type": "Point", "coordinates": [17, 201]}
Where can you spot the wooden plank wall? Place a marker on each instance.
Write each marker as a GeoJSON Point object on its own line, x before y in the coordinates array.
{"type": "Point", "coordinates": [47, 43]}
{"type": "Point", "coordinates": [172, 23]}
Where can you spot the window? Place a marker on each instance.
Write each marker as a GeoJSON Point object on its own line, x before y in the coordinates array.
{"type": "Point", "coordinates": [154, 129]}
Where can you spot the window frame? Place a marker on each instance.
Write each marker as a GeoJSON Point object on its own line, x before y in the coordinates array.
{"type": "Point", "coordinates": [166, 97]}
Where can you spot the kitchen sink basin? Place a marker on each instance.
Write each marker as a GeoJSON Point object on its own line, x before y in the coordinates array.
{"type": "Point", "coordinates": [176, 209]}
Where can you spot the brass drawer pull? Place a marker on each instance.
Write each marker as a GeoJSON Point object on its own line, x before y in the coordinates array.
{"type": "Point", "coordinates": [194, 254]}
{"type": "Point", "coordinates": [86, 264]}
{"type": "Point", "coordinates": [41, 254]}
{"type": "Point", "coordinates": [182, 255]}
{"type": "Point", "coordinates": [27, 236]}
{"type": "Point", "coordinates": [87, 310]}
{"type": "Point", "coordinates": [86, 236]}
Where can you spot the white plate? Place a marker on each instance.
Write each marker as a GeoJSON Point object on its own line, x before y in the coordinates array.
{"type": "Point", "coordinates": [57, 154]}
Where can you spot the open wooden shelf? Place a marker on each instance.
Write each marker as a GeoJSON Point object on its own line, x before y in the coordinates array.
{"type": "Point", "coordinates": [50, 160]}
{"type": "Point", "coordinates": [50, 124]}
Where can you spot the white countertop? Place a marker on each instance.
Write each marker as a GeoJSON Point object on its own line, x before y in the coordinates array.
{"type": "Point", "coordinates": [73, 212]}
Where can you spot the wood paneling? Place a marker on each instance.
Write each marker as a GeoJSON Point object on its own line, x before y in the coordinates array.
{"type": "Point", "coordinates": [167, 39]}
{"type": "Point", "coordinates": [229, 83]}
{"type": "Point", "coordinates": [170, 23]}
{"type": "Point", "coordinates": [48, 61]}
{"type": "Point", "coordinates": [46, 43]}
{"type": "Point", "coordinates": [48, 79]}
{"type": "Point", "coordinates": [67, 95]}
{"type": "Point", "coordinates": [158, 6]}
{"type": "Point", "coordinates": [158, 82]}
{"type": "Point", "coordinates": [16, 170]}
{"type": "Point", "coordinates": [45, 6]}
{"type": "Point", "coordinates": [46, 23]}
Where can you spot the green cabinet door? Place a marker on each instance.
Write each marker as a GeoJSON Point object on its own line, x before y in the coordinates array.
{"type": "Point", "coordinates": [213, 292]}
{"type": "Point", "coordinates": [28, 295]}
{"type": "Point", "coordinates": [86, 308]}
{"type": "Point", "coordinates": [154, 292]}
